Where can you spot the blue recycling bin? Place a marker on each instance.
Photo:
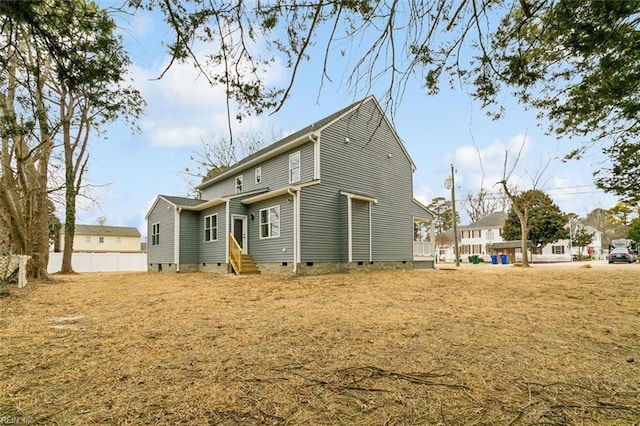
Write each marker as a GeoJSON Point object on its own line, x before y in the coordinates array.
{"type": "Point", "coordinates": [504, 259]}
{"type": "Point", "coordinates": [494, 259]}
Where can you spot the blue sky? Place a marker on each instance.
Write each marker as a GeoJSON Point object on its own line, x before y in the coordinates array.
{"type": "Point", "coordinates": [449, 128]}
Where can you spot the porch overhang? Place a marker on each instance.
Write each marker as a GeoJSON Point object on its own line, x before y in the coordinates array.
{"type": "Point", "coordinates": [270, 194]}
{"type": "Point", "coordinates": [360, 197]}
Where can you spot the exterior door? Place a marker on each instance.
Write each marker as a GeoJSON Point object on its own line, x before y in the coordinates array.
{"type": "Point", "coordinates": [240, 230]}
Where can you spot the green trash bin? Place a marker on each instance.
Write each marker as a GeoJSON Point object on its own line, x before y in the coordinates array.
{"type": "Point", "coordinates": [475, 259]}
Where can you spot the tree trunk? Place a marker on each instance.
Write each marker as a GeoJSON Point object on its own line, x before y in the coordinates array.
{"type": "Point", "coordinates": [69, 230]}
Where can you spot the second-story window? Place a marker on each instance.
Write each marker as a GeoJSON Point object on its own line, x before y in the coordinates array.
{"type": "Point", "coordinates": [155, 234]}
{"type": "Point", "coordinates": [490, 234]}
{"type": "Point", "coordinates": [238, 184]}
{"type": "Point", "coordinates": [294, 167]}
{"type": "Point", "coordinates": [258, 175]}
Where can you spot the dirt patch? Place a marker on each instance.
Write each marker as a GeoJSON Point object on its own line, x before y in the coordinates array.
{"type": "Point", "coordinates": [483, 345]}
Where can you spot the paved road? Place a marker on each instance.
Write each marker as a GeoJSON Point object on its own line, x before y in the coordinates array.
{"type": "Point", "coordinates": [593, 263]}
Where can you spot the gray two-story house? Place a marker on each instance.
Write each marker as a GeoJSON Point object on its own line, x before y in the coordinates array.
{"type": "Point", "coordinates": [334, 196]}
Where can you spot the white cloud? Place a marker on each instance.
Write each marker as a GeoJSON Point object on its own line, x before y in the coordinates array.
{"type": "Point", "coordinates": [183, 106]}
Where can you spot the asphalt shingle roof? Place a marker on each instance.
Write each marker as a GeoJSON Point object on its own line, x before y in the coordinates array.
{"type": "Point", "coordinates": [116, 231]}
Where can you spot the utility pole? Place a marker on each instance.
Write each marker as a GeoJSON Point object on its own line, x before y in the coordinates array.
{"type": "Point", "coordinates": [452, 182]}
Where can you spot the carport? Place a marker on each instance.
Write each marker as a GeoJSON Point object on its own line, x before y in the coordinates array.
{"type": "Point", "coordinates": [509, 248]}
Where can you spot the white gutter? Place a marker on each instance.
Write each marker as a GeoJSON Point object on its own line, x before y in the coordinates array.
{"type": "Point", "coordinates": [176, 238]}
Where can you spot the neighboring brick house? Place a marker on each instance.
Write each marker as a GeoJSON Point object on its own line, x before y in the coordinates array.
{"type": "Point", "coordinates": [336, 195]}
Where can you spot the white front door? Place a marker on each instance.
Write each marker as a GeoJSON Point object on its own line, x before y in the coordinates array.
{"type": "Point", "coordinates": [239, 229]}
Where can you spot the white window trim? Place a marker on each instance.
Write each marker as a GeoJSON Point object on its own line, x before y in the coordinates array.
{"type": "Point", "coordinates": [291, 180]}
{"type": "Point", "coordinates": [204, 224]}
{"type": "Point", "coordinates": [269, 223]}
{"type": "Point", "coordinates": [258, 175]}
{"type": "Point", "coordinates": [239, 184]}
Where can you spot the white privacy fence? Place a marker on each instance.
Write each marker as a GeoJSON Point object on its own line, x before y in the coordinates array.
{"type": "Point", "coordinates": [100, 262]}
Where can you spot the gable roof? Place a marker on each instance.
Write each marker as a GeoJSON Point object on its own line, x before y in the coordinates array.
{"type": "Point", "coordinates": [310, 132]}
{"type": "Point", "coordinates": [103, 230]}
{"type": "Point", "coordinates": [494, 220]}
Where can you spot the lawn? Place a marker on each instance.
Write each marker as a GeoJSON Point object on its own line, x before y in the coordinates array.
{"type": "Point", "coordinates": [478, 345]}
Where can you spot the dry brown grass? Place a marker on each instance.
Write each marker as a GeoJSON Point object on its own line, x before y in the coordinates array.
{"type": "Point", "coordinates": [479, 345]}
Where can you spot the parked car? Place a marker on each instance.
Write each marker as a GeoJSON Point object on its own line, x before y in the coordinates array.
{"type": "Point", "coordinates": [621, 254]}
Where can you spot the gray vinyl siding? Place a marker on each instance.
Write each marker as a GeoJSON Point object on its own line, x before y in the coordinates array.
{"type": "Point", "coordinates": [323, 226]}
{"type": "Point", "coordinates": [162, 213]}
{"type": "Point", "coordinates": [190, 232]}
{"type": "Point", "coordinates": [275, 174]}
{"type": "Point", "coordinates": [360, 231]}
{"type": "Point", "coordinates": [213, 251]}
{"type": "Point", "coordinates": [372, 163]}
{"type": "Point", "coordinates": [271, 249]}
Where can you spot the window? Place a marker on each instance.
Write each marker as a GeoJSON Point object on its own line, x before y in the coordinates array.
{"type": "Point", "coordinates": [489, 234]}
{"type": "Point", "coordinates": [557, 249]}
{"type": "Point", "coordinates": [258, 175]}
{"type": "Point", "coordinates": [238, 184]}
{"type": "Point", "coordinates": [294, 167]}
{"type": "Point", "coordinates": [101, 240]}
{"type": "Point", "coordinates": [211, 227]}
{"type": "Point", "coordinates": [118, 240]}
{"type": "Point", "coordinates": [155, 234]}
{"type": "Point", "coordinates": [87, 239]}
{"type": "Point", "coordinates": [270, 222]}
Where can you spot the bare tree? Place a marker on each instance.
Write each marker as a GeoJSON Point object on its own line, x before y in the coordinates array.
{"type": "Point", "coordinates": [520, 205]}
{"type": "Point", "coordinates": [214, 156]}
{"type": "Point", "coordinates": [482, 203]}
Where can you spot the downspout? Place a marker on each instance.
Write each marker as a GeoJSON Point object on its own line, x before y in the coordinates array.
{"type": "Point", "coordinates": [176, 239]}
{"type": "Point", "coordinates": [349, 230]}
{"type": "Point", "coordinates": [316, 155]}
{"type": "Point", "coordinates": [370, 236]}
{"type": "Point", "coordinates": [226, 234]}
{"type": "Point", "coordinates": [296, 228]}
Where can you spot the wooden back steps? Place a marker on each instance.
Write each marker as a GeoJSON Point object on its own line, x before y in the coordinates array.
{"type": "Point", "coordinates": [240, 263]}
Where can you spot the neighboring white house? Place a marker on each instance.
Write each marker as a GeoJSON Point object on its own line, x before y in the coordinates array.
{"type": "Point", "coordinates": [477, 238]}
{"type": "Point", "coordinates": [104, 239]}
